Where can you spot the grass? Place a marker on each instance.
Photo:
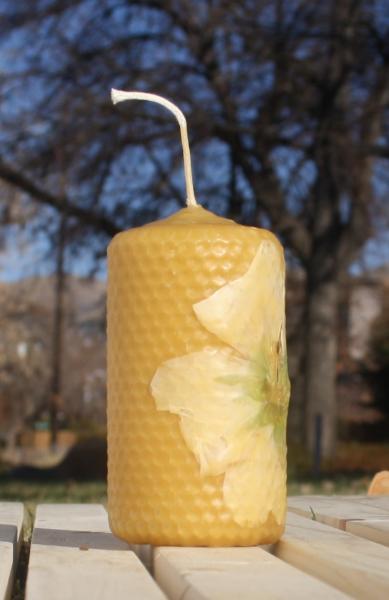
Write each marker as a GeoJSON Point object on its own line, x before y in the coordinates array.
{"type": "Point", "coordinates": [32, 493]}
{"type": "Point", "coordinates": [344, 485]}
{"type": "Point", "coordinates": [56, 491]}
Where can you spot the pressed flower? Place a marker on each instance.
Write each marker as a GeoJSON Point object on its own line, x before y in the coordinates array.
{"type": "Point", "coordinates": [232, 399]}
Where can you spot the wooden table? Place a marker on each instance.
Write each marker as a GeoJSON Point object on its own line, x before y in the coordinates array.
{"type": "Point", "coordinates": [333, 547]}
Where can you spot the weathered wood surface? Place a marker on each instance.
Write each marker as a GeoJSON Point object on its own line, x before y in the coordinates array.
{"type": "Point", "coordinates": [74, 556]}
{"type": "Point", "coordinates": [233, 573]}
{"type": "Point", "coordinates": [352, 564]}
{"type": "Point", "coordinates": [337, 511]}
{"type": "Point", "coordinates": [377, 501]}
{"type": "Point", "coordinates": [364, 516]}
{"type": "Point", "coordinates": [11, 526]}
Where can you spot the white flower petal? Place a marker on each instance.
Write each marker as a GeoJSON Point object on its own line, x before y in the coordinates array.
{"type": "Point", "coordinates": [260, 472]}
{"type": "Point", "coordinates": [215, 411]}
{"type": "Point", "coordinates": [249, 312]}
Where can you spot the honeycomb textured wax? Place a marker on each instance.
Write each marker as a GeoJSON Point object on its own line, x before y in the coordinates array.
{"type": "Point", "coordinates": [169, 483]}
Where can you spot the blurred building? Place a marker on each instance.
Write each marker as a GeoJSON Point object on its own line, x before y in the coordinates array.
{"type": "Point", "coordinates": [26, 315]}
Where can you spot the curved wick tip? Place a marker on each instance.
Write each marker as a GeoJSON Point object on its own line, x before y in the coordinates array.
{"type": "Point", "coordinates": [115, 95]}
{"type": "Point", "coordinates": [120, 96]}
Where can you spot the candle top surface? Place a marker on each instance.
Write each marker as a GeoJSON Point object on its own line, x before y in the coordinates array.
{"type": "Point", "coordinates": [196, 218]}
{"type": "Point", "coordinates": [192, 215]}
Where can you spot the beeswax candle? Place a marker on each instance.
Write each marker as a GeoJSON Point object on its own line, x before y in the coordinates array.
{"type": "Point", "coordinates": [197, 381]}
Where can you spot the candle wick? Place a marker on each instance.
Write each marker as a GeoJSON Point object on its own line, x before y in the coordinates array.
{"type": "Point", "coordinates": [119, 96]}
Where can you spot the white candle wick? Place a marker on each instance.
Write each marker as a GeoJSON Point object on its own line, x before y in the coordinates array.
{"type": "Point", "coordinates": [120, 96]}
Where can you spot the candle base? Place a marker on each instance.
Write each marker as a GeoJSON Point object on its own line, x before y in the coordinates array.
{"type": "Point", "coordinates": [137, 530]}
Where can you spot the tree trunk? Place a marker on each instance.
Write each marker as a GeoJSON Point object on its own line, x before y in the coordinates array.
{"type": "Point", "coordinates": [57, 349]}
{"type": "Point", "coordinates": [296, 412]}
{"type": "Point", "coordinates": [320, 374]}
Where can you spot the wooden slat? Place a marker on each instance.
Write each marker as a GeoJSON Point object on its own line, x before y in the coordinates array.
{"type": "Point", "coordinates": [336, 511]}
{"type": "Point", "coordinates": [74, 556]}
{"type": "Point", "coordinates": [372, 529]}
{"type": "Point", "coordinates": [377, 501]}
{"type": "Point", "coordinates": [354, 565]}
{"type": "Point", "coordinates": [381, 502]}
{"type": "Point", "coordinates": [233, 574]}
{"type": "Point", "coordinates": [11, 525]}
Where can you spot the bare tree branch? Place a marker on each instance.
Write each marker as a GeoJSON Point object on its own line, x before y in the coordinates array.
{"type": "Point", "coordinates": [87, 216]}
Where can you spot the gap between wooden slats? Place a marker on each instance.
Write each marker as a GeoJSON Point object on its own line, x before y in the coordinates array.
{"type": "Point", "coordinates": [354, 565]}
{"type": "Point", "coordinates": [74, 556]}
{"type": "Point", "coordinates": [145, 555]}
{"type": "Point", "coordinates": [232, 574]}
{"type": "Point", "coordinates": [11, 529]}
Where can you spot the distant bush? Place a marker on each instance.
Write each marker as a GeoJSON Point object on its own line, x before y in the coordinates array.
{"type": "Point", "coordinates": [85, 461]}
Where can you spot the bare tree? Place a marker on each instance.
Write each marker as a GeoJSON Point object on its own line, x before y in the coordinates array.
{"type": "Point", "coordinates": [26, 373]}
{"type": "Point", "coordinates": [288, 110]}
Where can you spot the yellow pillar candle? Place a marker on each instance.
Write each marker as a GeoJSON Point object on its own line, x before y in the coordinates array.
{"type": "Point", "coordinates": [197, 380]}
